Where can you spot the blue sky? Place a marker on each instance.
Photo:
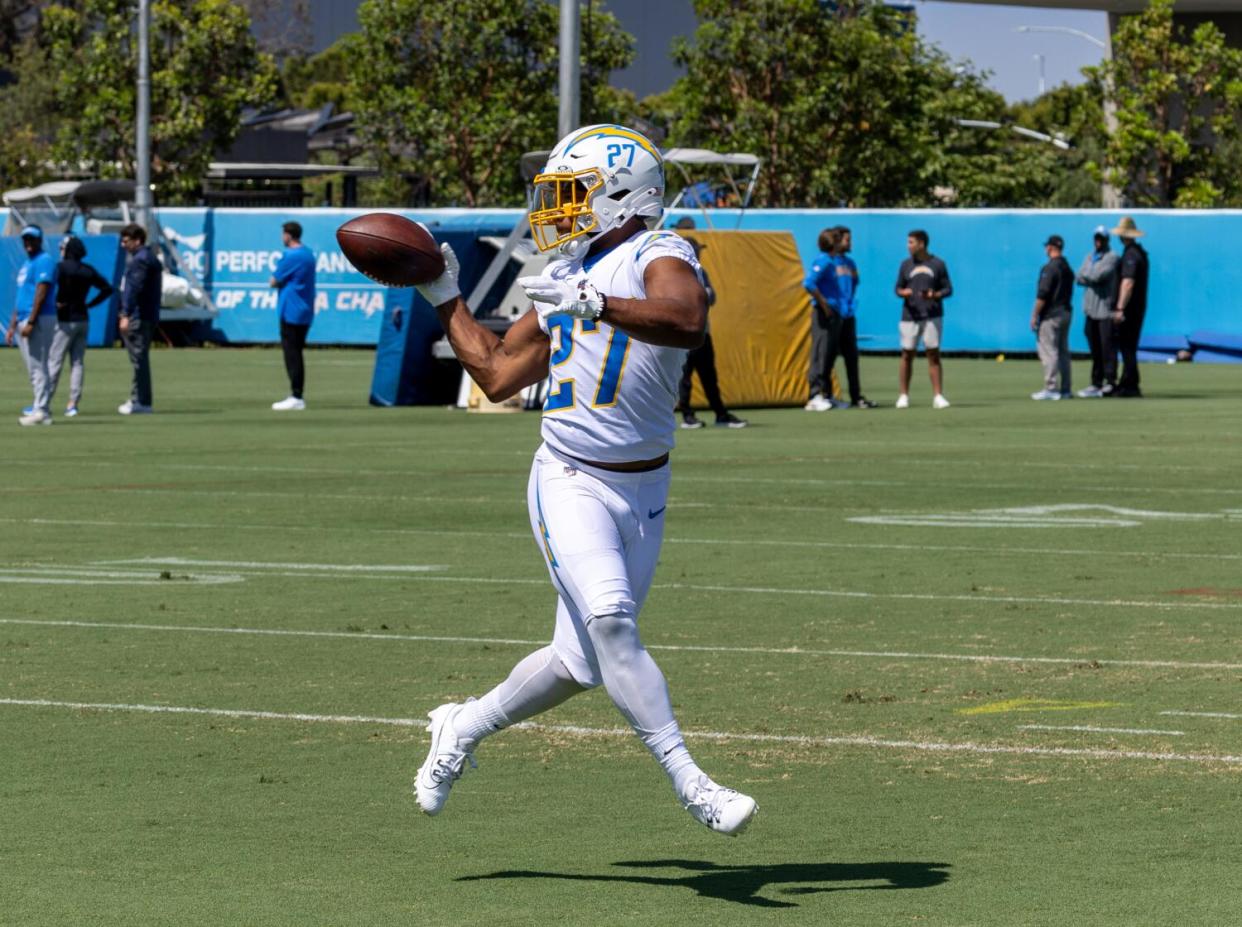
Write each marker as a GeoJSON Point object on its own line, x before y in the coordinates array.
{"type": "Point", "coordinates": [985, 35]}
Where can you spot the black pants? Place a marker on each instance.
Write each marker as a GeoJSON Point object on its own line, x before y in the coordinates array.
{"type": "Point", "coordinates": [703, 360]}
{"type": "Point", "coordinates": [1128, 333]}
{"type": "Point", "coordinates": [843, 343]}
{"type": "Point", "coordinates": [1102, 338]}
{"type": "Point", "coordinates": [293, 340]}
{"type": "Point", "coordinates": [137, 341]}
{"type": "Point", "coordinates": [820, 373]}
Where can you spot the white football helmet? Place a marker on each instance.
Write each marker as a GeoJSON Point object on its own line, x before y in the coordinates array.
{"type": "Point", "coordinates": [596, 179]}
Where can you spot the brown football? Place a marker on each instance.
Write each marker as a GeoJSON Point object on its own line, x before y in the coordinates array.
{"type": "Point", "coordinates": [391, 249]}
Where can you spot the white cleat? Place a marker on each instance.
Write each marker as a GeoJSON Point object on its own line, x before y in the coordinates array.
{"type": "Point", "coordinates": [818, 403]}
{"type": "Point", "coordinates": [903, 402]}
{"type": "Point", "coordinates": [129, 407]}
{"type": "Point", "coordinates": [37, 417]}
{"type": "Point", "coordinates": [445, 763]}
{"type": "Point", "coordinates": [289, 404]}
{"type": "Point", "coordinates": [723, 810]}
{"type": "Point", "coordinates": [940, 402]}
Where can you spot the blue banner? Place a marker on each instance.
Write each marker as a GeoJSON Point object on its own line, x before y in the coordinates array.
{"type": "Point", "coordinates": [994, 257]}
{"type": "Point", "coordinates": [233, 252]}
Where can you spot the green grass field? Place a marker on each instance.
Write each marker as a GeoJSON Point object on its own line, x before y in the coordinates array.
{"type": "Point", "coordinates": [951, 713]}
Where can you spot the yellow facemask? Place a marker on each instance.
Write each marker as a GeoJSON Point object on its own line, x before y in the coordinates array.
{"type": "Point", "coordinates": [560, 198]}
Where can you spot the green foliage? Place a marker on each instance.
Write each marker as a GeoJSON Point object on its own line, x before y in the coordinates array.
{"type": "Point", "coordinates": [846, 106]}
{"type": "Point", "coordinates": [309, 82]}
{"type": "Point", "coordinates": [1178, 98]}
{"type": "Point", "coordinates": [27, 123]}
{"type": "Point", "coordinates": [205, 70]}
{"type": "Point", "coordinates": [457, 90]}
{"type": "Point", "coordinates": [1077, 114]}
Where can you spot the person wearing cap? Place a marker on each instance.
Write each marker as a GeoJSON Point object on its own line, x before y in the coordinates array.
{"type": "Point", "coordinates": [141, 290]}
{"type": "Point", "coordinates": [1098, 275]}
{"type": "Point", "coordinates": [74, 280]}
{"type": "Point", "coordinates": [1050, 320]}
{"type": "Point", "coordinates": [294, 280]}
{"type": "Point", "coordinates": [1131, 306]}
{"type": "Point", "coordinates": [33, 322]}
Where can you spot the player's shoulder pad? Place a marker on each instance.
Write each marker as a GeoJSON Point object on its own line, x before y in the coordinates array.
{"type": "Point", "coordinates": [662, 244]}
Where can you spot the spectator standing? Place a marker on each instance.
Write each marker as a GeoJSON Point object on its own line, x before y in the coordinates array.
{"type": "Point", "coordinates": [1050, 320]}
{"type": "Point", "coordinates": [294, 278]}
{"type": "Point", "coordinates": [703, 359]}
{"type": "Point", "coordinates": [821, 283]}
{"type": "Point", "coordinates": [141, 289]}
{"type": "Point", "coordinates": [33, 322]}
{"type": "Point", "coordinates": [923, 284]}
{"type": "Point", "coordinates": [74, 279]}
{"type": "Point", "coordinates": [1098, 275]}
{"type": "Point", "coordinates": [1131, 306]}
{"type": "Point", "coordinates": [843, 329]}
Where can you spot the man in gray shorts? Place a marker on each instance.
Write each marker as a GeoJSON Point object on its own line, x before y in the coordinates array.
{"type": "Point", "coordinates": [923, 284]}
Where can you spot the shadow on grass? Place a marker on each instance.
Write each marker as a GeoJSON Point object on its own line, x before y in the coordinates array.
{"type": "Point", "coordinates": [742, 884]}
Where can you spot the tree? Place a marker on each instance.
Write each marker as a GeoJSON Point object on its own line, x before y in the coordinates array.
{"type": "Point", "coordinates": [845, 104]}
{"type": "Point", "coordinates": [205, 70]}
{"type": "Point", "coordinates": [452, 92]}
{"type": "Point", "coordinates": [1179, 104]}
{"type": "Point", "coordinates": [27, 118]}
{"type": "Point", "coordinates": [1077, 114]}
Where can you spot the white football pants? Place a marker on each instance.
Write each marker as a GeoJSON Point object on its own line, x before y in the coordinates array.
{"type": "Point", "coordinates": [600, 533]}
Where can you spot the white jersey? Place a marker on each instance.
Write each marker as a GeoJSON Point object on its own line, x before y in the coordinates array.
{"type": "Point", "coordinates": [610, 397]}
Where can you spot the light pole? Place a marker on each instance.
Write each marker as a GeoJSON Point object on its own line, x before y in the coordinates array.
{"type": "Point", "coordinates": [142, 130]}
{"type": "Point", "coordinates": [1110, 196]}
{"type": "Point", "coordinates": [1067, 31]}
{"type": "Point", "coordinates": [570, 76]}
{"type": "Point", "coordinates": [1043, 83]}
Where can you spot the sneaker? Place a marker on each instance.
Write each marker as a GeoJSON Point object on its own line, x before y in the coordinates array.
{"type": "Point", "coordinates": [818, 403]}
{"type": "Point", "coordinates": [1046, 394]}
{"type": "Point", "coordinates": [445, 763]}
{"type": "Point", "coordinates": [839, 403]}
{"type": "Point", "coordinates": [1091, 392]}
{"type": "Point", "coordinates": [690, 420]}
{"type": "Point", "coordinates": [903, 401]}
{"type": "Point", "coordinates": [1066, 394]}
{"type": "Point", "coordinates": [939, 402]}
{"type": "Point", "coordinates": [129, 407]}
{"type": "Point", "coordinates": [38, 417]}
{"type": "Point", "coordinates": [28, 410]}
{"type": "Point", "coordinates": [723, 810]}
{"type": "Point", "coordinates": [1108, 389]}
{"type": "Point", "coordinates": [729, 420]}
{"type": "Point", "coordinates": [864, 403]}
{"type": "Point", "coordinates": [71, 411]}
{"type": "Point", "coordinates": [289, 404]}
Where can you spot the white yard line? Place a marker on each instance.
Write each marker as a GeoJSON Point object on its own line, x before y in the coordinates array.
{"type": "Point", "coordinates": [711, 542]}
{"type": "Point", "coordinates": [1097, 730]}
{"type": "Point", "coordinates": [1203, 714]}
{"type": "Point", "coordinates": [675, 648]}
{"type": "Point", "coordinates": [580, 731]}
{"type": "Point", "coordinates": [326, 567]}
{"type": "Point", "coordinates": [90, 576]}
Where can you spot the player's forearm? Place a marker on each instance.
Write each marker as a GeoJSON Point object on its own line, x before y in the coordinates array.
{"type": "Point", "coordinates": [1123, 297]}
{"type": "Point", "coordinates": [480, 350]}
{"type": "Point", "coordinates": [669, 323]}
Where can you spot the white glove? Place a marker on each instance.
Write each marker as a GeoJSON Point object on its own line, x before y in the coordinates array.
{"type": "Point", "coordinates": [579, 300]}
{"type": "Point", "coordinates": [444, 288]}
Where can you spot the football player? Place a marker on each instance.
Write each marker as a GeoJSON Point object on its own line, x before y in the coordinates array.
{"type": "Point", "coordinates": [612, 320]}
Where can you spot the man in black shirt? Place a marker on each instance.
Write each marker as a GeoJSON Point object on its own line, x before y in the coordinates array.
{"type": "Point", "coordinates": [74, 279]}
{"type": "Point", "coordinates": [1131, 306]}
{"type": "Point", "coordinates": [1050, 320]}
{"type": "Point", "coordinates": [923, 284]}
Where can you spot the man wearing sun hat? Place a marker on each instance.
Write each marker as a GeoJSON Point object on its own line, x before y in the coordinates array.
{"type": "Point", "coordinates": [1131, 306]}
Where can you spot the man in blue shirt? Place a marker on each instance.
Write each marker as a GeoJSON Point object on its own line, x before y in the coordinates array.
{"type": "Point", "coordinates": [821, 283]}
{"type": "Point", "coordinates": [294, 277]}
{"type": "Point", "coordinates": [33, 322]}
{"type": "Point", "coordinates": [844, 329]}
{"type": "Point", "coordinates": [142, 290]}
